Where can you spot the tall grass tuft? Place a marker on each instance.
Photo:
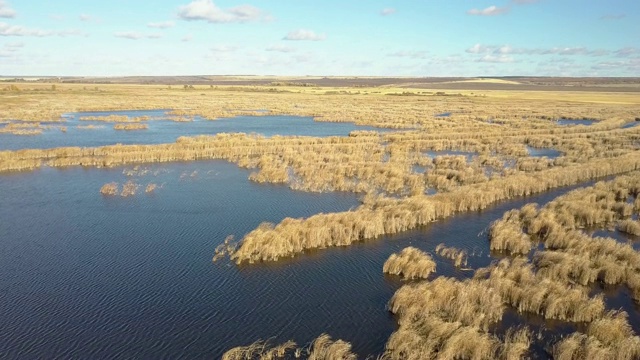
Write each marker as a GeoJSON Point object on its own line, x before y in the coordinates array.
{"type": "Point", "coordinates": [110, 189]}
{"type": "Point", "coordinates": [507, 235]}
{"type": "Point", "coordinates": [458, 256]}
{"type": "Point", "coordinates": [410, 263]}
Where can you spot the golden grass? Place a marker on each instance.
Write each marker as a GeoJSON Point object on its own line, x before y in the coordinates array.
{"type": "Point", "coordinates": [151, 187]}
{"type": "Point", "coordinates": [321, 348]}
{"type": "Point", "coordinates": [610, 337]}
{"type": "Point", "coordinates": [630, 227]}
{"type": "Point", "coordinates": [507, 235]}
{"type": "Point", "coordinates": [379, 216]}
{"type": "Point", "coordinates": [410, 263]}
{"type": "Point", "coordinates": [458, 256]}
{"type": "Point", "coordinates": [130, 126]}
{"type": "Point", "coordinates": [109, 189]}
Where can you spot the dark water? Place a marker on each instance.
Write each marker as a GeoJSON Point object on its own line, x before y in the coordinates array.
{"type": "Point", "coordinates": [84, 276]}
{"type": "Point", "coordinates": [445, 114]}
{"type": "Point", "coordinates": [568, 122]}
{"type": "Point", "coordinates": [163, 130]}
{"type": "Point", "coordinates": [543, 152]}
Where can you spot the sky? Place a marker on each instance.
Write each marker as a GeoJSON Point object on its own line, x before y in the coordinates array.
{"type": "Point", "coordinates": [320, 38]}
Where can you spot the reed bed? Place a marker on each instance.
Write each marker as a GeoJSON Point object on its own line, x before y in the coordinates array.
{"type": "Point", "coordinates": [110, 189]}
{"type": "Point", "coordinates": [609, 337]}
{"type": "Point", "coordinates": [508, 236]}
{"type": "Point", "coordinates": [450, 319]}
{"type": "Point", "coordinates": [459, 257]}
{"type": "Point", "coordinates": [630, 227]}
{"type": "Point", "coordinates": [130, 126]}
{"type": "Point", "coordinates": [321, 348]}
{"type": "Point", "coordinates": [380, 215]}
{"type": "Point", "coordinates": [410, 263]}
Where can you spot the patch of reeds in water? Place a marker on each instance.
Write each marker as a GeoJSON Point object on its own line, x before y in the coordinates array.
{"type": "Point", "coordinates": [130, 127]}
{"type": "Point", "coordinates": [321, 348]}
{"type": "Point", "coordinates": [450, 319]}
{"type": "Point", "coordinates": [410, 263]}
{"type": "Point", "coordinates": [507, 235]}
{"type": "Point", "coordinates": [459, 257]}
{"type": "Point", "coordinates": [609, 337]}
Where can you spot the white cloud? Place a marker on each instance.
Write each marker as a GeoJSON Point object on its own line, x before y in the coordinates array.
{"type": "Point", "coordinates": [187, 38]}
{"type": "Point", "coordinates": [490, 11]}
{"type": "Point", "coordinates": [410, 54]}
{"type": "Point", "coordinates": [161, 24]}
{"type": "Point", "coordinates": [85, 17]}
{"type": "Point", "coordinates": [280, 48]}
{"type": "Point", "coordinates": [507, 49]}
{"type": "Point", "coordinates": [627, 51]}
{"type": "Point", "coordinates": [631, 65]}
{"type": "Point", "coordinates": [496, 59]}
{"type": "Point", "coordinates": [224, 48]}
{"type": "Point", "coordinates": [479, 49]}
{"type": "Point", "coordinates": [304, 35]}
{"type": "Point", "coordinates": [17, 30]}
{"type": "Point", "coordinates": [387, 11]}
{"type": "Point", "coordinates": [6, 11]}
{"type": "Point", "coordinates": [132, 35]}
{"type": "Point", "coordinates": [208, 11]}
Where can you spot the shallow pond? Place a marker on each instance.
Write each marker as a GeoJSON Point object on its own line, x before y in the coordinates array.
{"type": "Point", "coordinates": [87, 276]}
{"type": "Point", "coordinates": [543, 152]}
{"type": "Point", "coordinates": [469, 155]}
{"type": "Point", "coordinates": [572, 122]}
{"type": "Point", "coordinates": [630, 125]}
{"type": "Point", "coordinates": [161, 129]}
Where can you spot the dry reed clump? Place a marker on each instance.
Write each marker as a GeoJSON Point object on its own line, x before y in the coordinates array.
{"type": "Point", "coordinates": [630, 227]}
{"type": "Point", "coordinates": [260, 350]}
{"type": "Point", "coordinates": [109, 189]}
{"type": "Point", "coordinates": [410, 263]}
{"type": "Point", "coordinates": [321, 348]}
{"type": "Point", "coordinates": [458, 256]}
{"type": "Point", "coordinates": [151, 187]}
{"type": "Point", "coordinates": [130, 126]}
{"type": "Point", "coordinates": [27, 129]}
{"type": "Point", "coordinates": [507, 235]}
{"type": "Point", "coordinates": [527, 291]}
{"type": "Point", "coordinates": [610, 337]}
{"type": "Point", "coordinates": [381, 215]}
{"type": "Point", "coordinates": [223, 250]}
{"type": "Point", "coordinates": [449, 319]}
{"type": "Point", "coordinates": [129, 188]}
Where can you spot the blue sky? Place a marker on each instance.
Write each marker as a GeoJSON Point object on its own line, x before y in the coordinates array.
{"type": "Point", "coordinates": [330, 37]}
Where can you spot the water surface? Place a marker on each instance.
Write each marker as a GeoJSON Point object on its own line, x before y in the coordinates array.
{"type": "Point", "coordinates": [87, 276]}
{"type": "Point", "coordinates": [161, 129]}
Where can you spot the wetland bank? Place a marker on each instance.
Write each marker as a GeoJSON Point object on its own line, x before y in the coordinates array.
{"type": "Point", "coordinates": [319, 212]}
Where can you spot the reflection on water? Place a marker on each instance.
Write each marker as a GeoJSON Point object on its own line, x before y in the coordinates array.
{"type": "Point", "coordinates": [162, 129]}
{"type": "Point", "coordinates": [543, 152]}
{"type": "Point", "coordinates": [468, 154]}
{"type": "Point", "coordinates": [572, 122]}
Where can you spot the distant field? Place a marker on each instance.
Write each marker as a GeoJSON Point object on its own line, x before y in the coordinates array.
{"type": "Point", "coordinates": [479, 83]}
